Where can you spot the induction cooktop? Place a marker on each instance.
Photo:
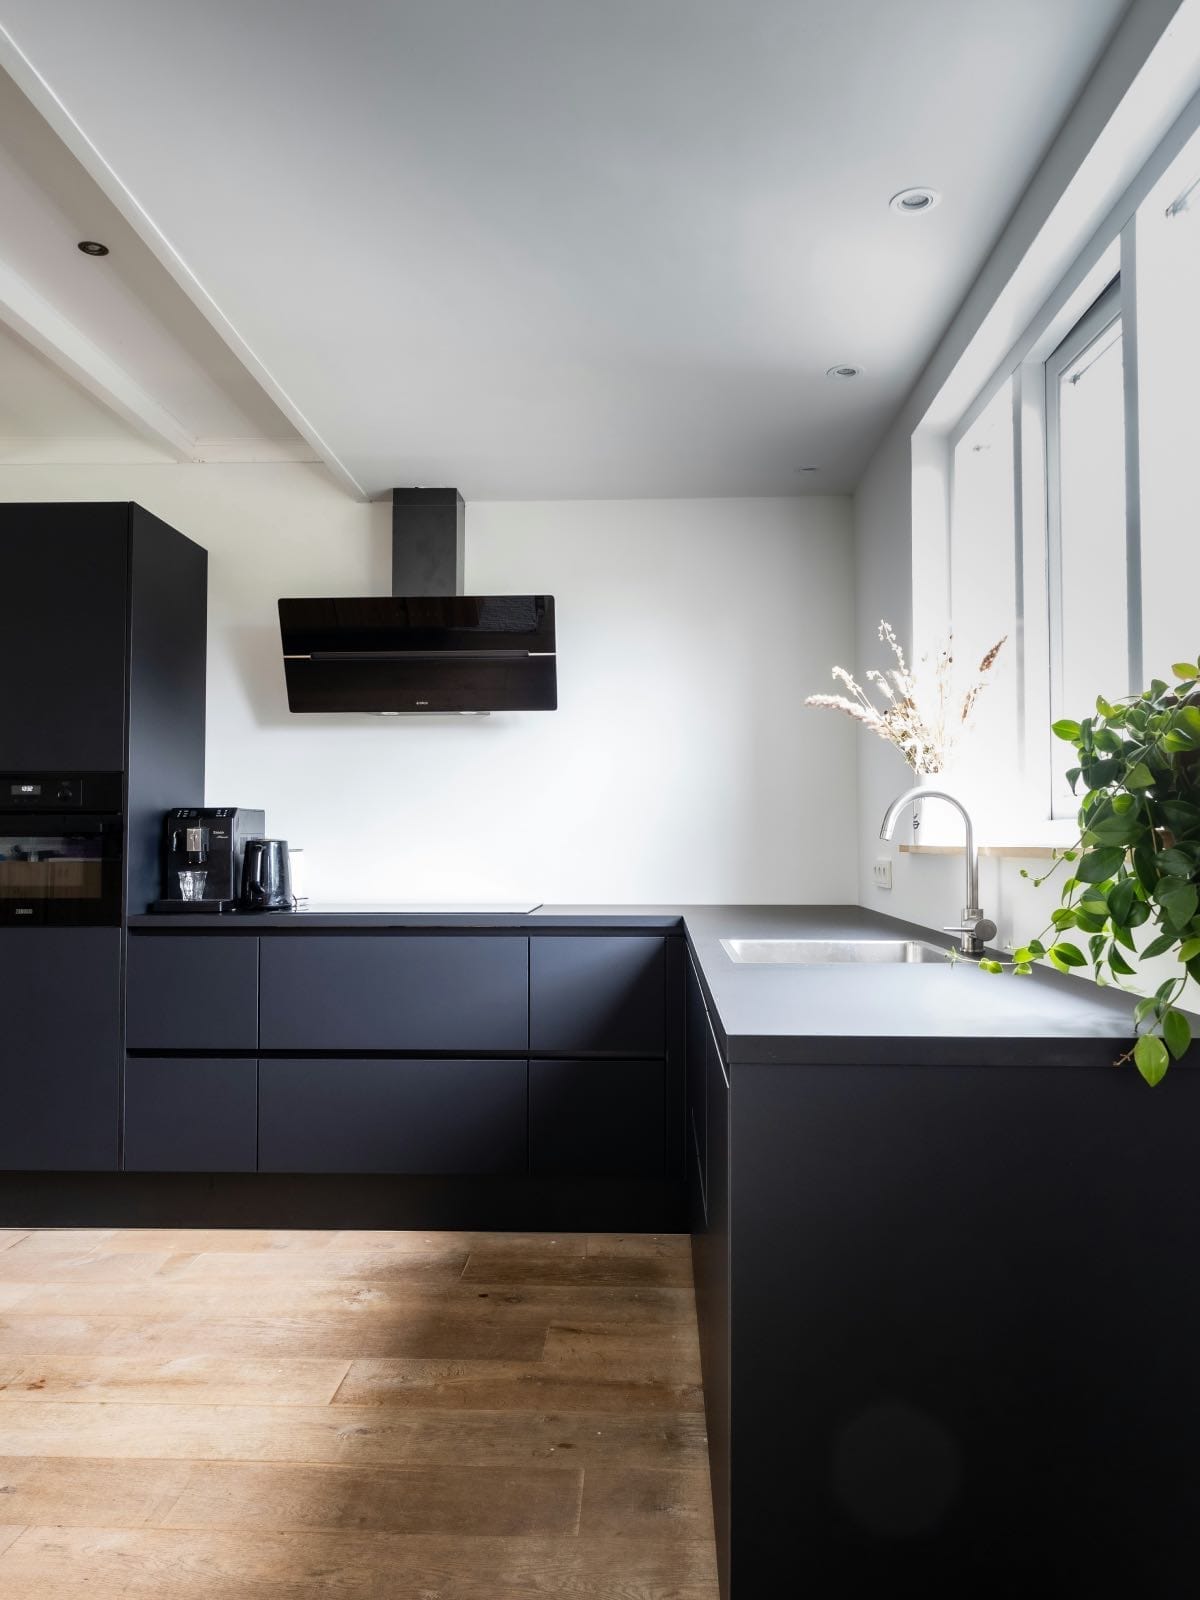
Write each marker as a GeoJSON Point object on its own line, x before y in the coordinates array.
{"type": "Point", "coordinates": [421, 908]}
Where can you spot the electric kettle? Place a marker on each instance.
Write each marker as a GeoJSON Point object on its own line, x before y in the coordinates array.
{"type": "Point", "coordinates": [266, 876]}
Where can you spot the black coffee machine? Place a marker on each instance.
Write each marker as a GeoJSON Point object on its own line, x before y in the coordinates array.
{"type": "Point", "coordinates": [203, 851]}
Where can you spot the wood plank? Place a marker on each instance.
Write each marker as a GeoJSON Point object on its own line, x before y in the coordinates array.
{"type": "Point", "coordinates": [677, 1246]}
{"type": "Point", "coordinates": [152, 1564]}
{"type": "Point", "coordinates": [177, 1298]}
{"type": "Point", "coordinates": [351, 1436]}
{"type": "Point", "coordinates": [437, 1264]}
{"type": "Point", "coordinates": [414, 1332]}
{"type": "Point", "coordinates": [193, 1241]}
{"type": "Point", "coordinates": [92, 1493]}
{"type": "Point", "coordinates": [514, 1386]}
{"type": "Point", "coordinates": [28, 1261]}
{"type": "Point", "coordinates": [619, 1271]}
{"type": "Point", "coordinates": [610, 1350]}
{"type": "Point", "coordinates": [646, 1503]}
{"type": "Point", "coordinates": [9, 1534]}
{"type": "Point", "coordinates": [62, 1239]}
{"type": "Point", "coordinates": [470, 1502]}
{"type": "Point", "coordinates": [359, 1241]}
{"type": "Point", "coordinates": [188, 1380]}
{"type": "Point", "coordinates": [11, 1236]}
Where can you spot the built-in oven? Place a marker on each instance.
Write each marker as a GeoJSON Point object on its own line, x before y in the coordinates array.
{"type": "Point", "coordinates": [60, 849]}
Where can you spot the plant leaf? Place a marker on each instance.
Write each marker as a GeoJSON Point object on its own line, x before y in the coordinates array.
{"type": "Point", "coordinates": [1120, 900]}
{"type": "Point", "coordinates": [1065, 729]}
{"type": "Point", "coordinates": [1189, 950]}
{"type": "Point", "coordinates": [1150, 1054]}
{"type": "Point", "coordinates": [1118, 963]}
{"type": "Point", "coordinates": [1139, 777]}
{"type": "Point", "coordinates": [1179, 901]}
{"type": "Point", "coordinates": [1157, 947]}
{"type": "Point", "coordinates": [1097, 865]}
{"type": "Point", "coordinates": [1178, 863]}
{"type": "Point", "coordinates": [1186, 669]}
{"type": "Point", "coordinates": [1069, 954]}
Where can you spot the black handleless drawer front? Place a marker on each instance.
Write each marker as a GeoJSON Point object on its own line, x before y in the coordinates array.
{"type": "Point", "coordinates": [597, 1119]}
{"type": "Point", "coordinates": [192, 992]}
{"type": "Point", "coordinates": [191, 1115]}
{"type": "Point", "coordinates": [407, 1116]}
{"type": "Point", "coordinates": [460, 993]}
{"type": "Point", "coordinates": [592, 993]}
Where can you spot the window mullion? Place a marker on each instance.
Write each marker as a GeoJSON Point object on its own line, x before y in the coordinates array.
{"type": "Point", "coordinates": [1133, 499]}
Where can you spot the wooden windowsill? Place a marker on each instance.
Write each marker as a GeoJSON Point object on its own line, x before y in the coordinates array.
{"type": "Point", "coordinates": [1030, 852]}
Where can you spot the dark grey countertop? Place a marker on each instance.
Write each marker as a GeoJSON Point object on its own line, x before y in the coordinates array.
{"type": "Point", "coordinates": [838, 1015]}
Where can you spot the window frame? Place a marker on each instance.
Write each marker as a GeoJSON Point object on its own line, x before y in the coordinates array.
{"type": "Point", "coordinates": [1109, 254]}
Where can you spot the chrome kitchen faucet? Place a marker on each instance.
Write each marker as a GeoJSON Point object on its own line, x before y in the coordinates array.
{"type": "Point", "coordinates": [973, 929]}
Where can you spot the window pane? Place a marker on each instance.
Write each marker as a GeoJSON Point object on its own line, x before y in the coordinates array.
{"type": "Point", "coordinates": [1168, 287]}
{"type": "Point", "coordinates": [1089, 606]}
{"type": "Point", "coordinates": [983, 609]}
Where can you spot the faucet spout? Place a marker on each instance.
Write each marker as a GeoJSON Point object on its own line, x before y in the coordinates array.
{"type": "Point", "coordinates": [974, 929]}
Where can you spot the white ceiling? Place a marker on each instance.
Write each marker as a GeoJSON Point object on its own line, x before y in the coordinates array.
{"type": "Point", "coordinates": [127, 306]}
{"type": "Point", "coordinates": [577, 248]}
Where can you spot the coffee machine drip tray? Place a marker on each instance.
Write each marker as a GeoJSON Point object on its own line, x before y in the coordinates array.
{"type": "Point", "coordinates": [424, 908]}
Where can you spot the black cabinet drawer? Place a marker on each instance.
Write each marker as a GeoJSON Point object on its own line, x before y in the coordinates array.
{"type": "Point", "coordinates": [191, 1115]}
{"type": "Point", "coordinates": [461, 993]}
{"type": "Point", "coordinates": [598, 992]}
{"type": "Point", "coordinates": [601, 1118]}
{"type": "Point", "coordinates": [60, 1049]}
{"type": "Point", "coordinates": [392, 1116]}
{"type": "Point", "coordinates": [192, 992]}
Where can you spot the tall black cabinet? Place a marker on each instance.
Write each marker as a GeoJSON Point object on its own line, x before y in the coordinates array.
{"type": "Point", "coordinates": [103, 623]}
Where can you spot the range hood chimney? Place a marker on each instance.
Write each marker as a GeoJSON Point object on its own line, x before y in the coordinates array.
{"type": "Point", "coordinates": [429, 648]}
{"type": "Point", "coordinates": [428, 541]}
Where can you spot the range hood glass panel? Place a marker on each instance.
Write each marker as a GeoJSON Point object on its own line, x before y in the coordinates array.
{"type": "Point", "coordinates": [422, 684]}
{"type": "Point", "coordinates": [387, 625]}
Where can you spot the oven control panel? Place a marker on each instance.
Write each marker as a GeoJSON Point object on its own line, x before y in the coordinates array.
{"type": "Point", "coordinates": [49, 791]}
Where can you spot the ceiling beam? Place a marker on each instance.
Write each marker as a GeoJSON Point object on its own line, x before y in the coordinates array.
{"type": "Point", "coordinates": [35, 87]}
{"type": "Point", "coordinates": [44, 327]}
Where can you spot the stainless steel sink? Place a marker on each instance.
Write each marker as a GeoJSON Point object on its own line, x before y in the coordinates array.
{"type": "Point", "coordinates": [831, 952]}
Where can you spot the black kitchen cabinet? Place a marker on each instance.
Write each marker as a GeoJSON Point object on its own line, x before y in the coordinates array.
{"type": "Point", "coordinates": [192, 992]}
{"type": "Point", "coordinates": [63, 609]}
{"type": "Point", "coordinates": [185, 1114]}
{"type": "Point", "coordinates": [461, 993]}
{"type": "Point", "coordinates": [711, 1267]}
{"type": "Point", "coordinates": [60, 1048]}
{"type": "Point", "coordinates": [597, 1118]}
{"type": "Point", "coordinates": [696, 1112]}
{"type": "Point", "coordinates": [402, 1116]}
{"type": "Point", "coordinates": [597, 993]}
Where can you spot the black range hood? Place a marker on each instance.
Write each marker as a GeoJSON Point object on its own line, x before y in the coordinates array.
{"type": "Point", "coordinates": [428, 648]}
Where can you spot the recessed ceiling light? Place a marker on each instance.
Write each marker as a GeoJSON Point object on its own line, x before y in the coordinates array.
{"type": "Point", "coordinates": [844, 370]}
{"type": "Point", "coordinates": [93, 247]}
{"type": "Point", "coordinates": [914, 202]}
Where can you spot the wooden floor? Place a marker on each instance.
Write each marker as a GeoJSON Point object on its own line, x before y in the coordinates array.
{"type": "Point", "coordinates": [373, 1416]}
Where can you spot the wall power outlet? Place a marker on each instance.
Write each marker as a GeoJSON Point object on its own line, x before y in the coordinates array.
{"type": "Point", "coordinates": [881, 872]}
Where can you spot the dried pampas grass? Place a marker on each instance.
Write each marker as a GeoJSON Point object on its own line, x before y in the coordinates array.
{"type": "Point", "coordinates": [924, 737]}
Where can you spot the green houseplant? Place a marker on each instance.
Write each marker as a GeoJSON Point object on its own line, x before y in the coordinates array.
{"type": "Point", "coordinates": [1137, 860]}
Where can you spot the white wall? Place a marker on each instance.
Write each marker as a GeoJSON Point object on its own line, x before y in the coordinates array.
{"type": "Point", "coordinates": [679, 766]}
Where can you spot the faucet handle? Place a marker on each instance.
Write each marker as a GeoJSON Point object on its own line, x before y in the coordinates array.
{"type": "Point", "coordinates": [975, 929]}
